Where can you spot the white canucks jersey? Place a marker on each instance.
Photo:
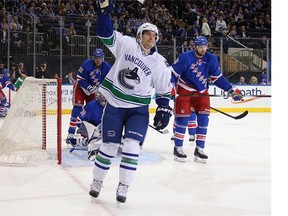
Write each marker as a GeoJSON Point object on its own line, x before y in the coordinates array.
{"type": "Point", "coordinates": [133, 76]}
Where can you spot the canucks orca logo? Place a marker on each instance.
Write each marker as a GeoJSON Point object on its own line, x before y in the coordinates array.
{"type": "Point", "coordinates": [129, 78]}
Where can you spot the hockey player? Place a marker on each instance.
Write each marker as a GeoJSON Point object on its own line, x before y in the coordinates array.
{"type": "Point", "coordinates": [190, 73]}
{"type": "Point", "coordinates": [89, 76]}
{"type": "Point", "coordinates": [4, 82]}
{"type": "Point", "coordinates": [128, 88]}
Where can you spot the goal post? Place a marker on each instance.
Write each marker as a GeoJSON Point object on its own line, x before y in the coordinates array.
{"type": "Point", "coordinates": [31, 133]}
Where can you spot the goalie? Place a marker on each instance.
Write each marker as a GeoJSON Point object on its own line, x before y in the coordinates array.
{"type": "Point", "coordinates": [90, 128]}
{"type": "Point", "coordinates": [4, 82]}
{"type": "Point", "coordinates": [89, 76]}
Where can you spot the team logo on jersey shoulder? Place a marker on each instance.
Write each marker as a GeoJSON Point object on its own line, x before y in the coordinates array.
{"type": "Point", "coordinates": [81, 69]}
{"type": "Point", "coordinates": [129, 78]}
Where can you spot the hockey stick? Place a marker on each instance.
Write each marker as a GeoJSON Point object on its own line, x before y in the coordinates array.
{"type": "Point", "coordinates": [242, 115]}
{"type": "Point", "coordinates": [166, 131]}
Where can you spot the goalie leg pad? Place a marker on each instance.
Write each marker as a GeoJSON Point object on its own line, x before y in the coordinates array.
{"type": "Point", "coordinates": [88, 130]}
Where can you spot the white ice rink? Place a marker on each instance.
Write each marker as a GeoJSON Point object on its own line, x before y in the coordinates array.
{"type": "Point", "coordinates": [235, 181]}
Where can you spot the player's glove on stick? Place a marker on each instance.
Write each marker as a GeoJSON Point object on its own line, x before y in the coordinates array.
{"type": "Point", "coordinates": [162, 117]}
{"type": "Point", "coordinates": [235, 93]}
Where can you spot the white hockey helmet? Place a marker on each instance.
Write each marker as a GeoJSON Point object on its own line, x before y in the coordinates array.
{"type": "Point", "coordinates": [148, 27]}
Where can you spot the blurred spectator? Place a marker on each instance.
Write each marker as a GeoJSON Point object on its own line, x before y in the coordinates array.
{"type": "Point", "coordinates": [191, 44]}
{"type": "Point", "coordinates": [212, 23]}
{"type": "Point", "coordinates": [163, 40]}
{"type": "Point", "coordinates": [233, 34]}
{"type": "Point", "coordinates": [263, 79]}
{"type": "Point", "coordinates": [205, 29]}
{"type": "Point", "coordinates": [22, 70]}
{"type": "Point", "coordinates": [263, 42]}
{"type": "Point", "coordinates": [242, 32]}
{"type": "Point", "coordinates": [220, 25]}
{"type": "Point", "coordinates": [4, 33]}
{"type": "Point", "coordinates": [253, 80]}
{"type": "Point", "coordinates": [70, 7]}
{"type": "Point", "coordinates": [191, 17]}
{"type": "Point", "coordinates": [65, 37]}
{"type": "Point", "coordinates": [42, 72]}
{"type": "Point", "coordinates": [69, 78]}
{"type": "Point", "coordinates": [185, 46]}
{"type": "Point", "coordinates": [17, 40]}
{"type": "Point", "coordinates": [91, 11]}
{"type": "Point", "coordinates": [16, 23]}
{"type": "Point", "coordinates": [225, 41]}
{"type": "Point", "coordinates": [3, 22]}
{"type": "Point", "coordinates": [129, 29]}
{"type": "Point", "coordinates": [254, 24]}
{"type": "Point", "coordinates": [71, 30]}
{"type": "Point", "coordinates": [81, 10]}
{"type": "Point", "coordinates": [62, 11]}
{"type": "Point", "coordinates": [241, 81]}
{"type": "Point", "coordinates": [14, 73]}
{"type": "Point", "coordinates": [182, 32]}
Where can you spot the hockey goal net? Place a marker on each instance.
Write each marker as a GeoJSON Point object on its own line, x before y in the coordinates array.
{"type": "Point", "coordinates": [31, 132]}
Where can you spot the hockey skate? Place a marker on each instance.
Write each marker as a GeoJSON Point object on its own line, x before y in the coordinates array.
{"type": "Point", "coordinates": [199, 155]}
{"type": "Point", "coordinates": [93, 148]}
{"type": "Point", "coordinates": [179, 154]}
{"type": "Point", "coordinates": [95, 188]}
{"type": "Point", "coordinates": [3, 112]}
{"type": "Point", "coordinates": [93, 154]}
{"type": "Point", "coordinates": [121, 193]}
{"type": "Point", "coordinates": [70, 140]}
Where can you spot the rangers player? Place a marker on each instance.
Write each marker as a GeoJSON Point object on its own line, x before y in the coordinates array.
{"type": "Point", "coordinates": [190, 75]}
{"type": "Point", "coordinates": [4, 82]}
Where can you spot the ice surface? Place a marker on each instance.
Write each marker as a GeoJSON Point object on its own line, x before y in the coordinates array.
{"type": "Point", "coordinates": [235, 181]}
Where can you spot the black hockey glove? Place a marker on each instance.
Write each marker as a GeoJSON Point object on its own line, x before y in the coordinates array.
{"type": "Point", "coordinates": [104, 6]}
{"type": "Point", "coordinates": [162, 117]}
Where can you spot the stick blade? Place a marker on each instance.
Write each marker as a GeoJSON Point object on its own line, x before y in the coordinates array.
{"type": "Point", "coordinates": [242, 115]}
{"type": "Point", "coordinates": [166, 131]}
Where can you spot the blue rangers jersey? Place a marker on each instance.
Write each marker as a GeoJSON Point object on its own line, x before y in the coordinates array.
{"type": "Point", "coordinates": [193, 73]}
{"type": "Point", "coordinates": [134, 75]}
{"type": "Point", "coordinates": [6, 82]}
{"type": "Point", "coordinates": [88, 74]}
